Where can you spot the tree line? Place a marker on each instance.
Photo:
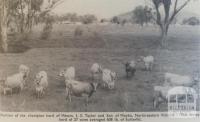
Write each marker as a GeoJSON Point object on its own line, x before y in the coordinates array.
{"type": "Point", "coordinates": [73, 17]}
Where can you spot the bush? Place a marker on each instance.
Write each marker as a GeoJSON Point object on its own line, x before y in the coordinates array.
{"type": "Point", "coordinates": [142, 15]}
{"type": "Point", "coordinates": [191, 21]}
{"type": "Point", "coordinates": [46, 32]}
{"type": "Point", "coordinates": [25, 36]}
{"type": "Point", "coordinates": [88, 19]}
{"type": "Point", "coordinates": [115, 20]}
{"type": "Point", "coordinates": [78, 31]}
{"type": "Point", "coordinates": [123, 22]}
{"type": "Point", "coordinates": [47, 28]}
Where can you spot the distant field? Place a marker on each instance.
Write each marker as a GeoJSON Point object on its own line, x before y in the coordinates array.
{"type": "Point", "coordinates": [106, 36]}
{"type": "Point", "coordinates": [108, 45]}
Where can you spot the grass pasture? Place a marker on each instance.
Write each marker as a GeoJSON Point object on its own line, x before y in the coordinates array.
{"type": "Point", "coordinates": [108, 45]}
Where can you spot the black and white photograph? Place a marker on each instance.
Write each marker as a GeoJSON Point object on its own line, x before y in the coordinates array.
{"type": "Point", "coordinates": [99, 55]}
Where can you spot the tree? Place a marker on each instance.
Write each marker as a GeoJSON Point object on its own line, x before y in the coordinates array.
{"type": "Point", "coordinates": [72, 17]}
{"type": "Point", "coordinates": [88, 19]}
{"type": "Point", "coordinates": [22, 12]}
{"type": "Point", "coordinates": [168, 18]}
{"type": "Point", "coordinates": [48, 20]}
{"type": "Point", "coordinates": [3, 25]}
{"type": "Point", "coordinates": [142, 14]}
{"type": "Point", "coordinates": [191, 21]}
{"type": "Point", "coordinates": [25, 13]}
{"type": "Point", "coordinates": [102, 20]}
{"type": "Point", "coordinates": [115, 20]}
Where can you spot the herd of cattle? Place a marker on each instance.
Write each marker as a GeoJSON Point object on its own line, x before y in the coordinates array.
{"type": "Point", "coordinates": [100, 77]}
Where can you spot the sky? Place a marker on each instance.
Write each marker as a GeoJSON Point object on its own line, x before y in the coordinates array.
{"type": "Point", "coordinates": [109, 8]}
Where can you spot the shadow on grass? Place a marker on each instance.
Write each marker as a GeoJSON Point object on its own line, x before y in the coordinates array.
{"type": "Point", "coordinates": [16, 43]}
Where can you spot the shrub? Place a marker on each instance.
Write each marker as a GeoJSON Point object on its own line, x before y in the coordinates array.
{"type": "Point", "coordinates": [88, 19]}
{"type": "Point", "coordinates": [78, 31]}
{"type": "Point", "coordinates": [191, 21]}
{"type": "Point", "coordinates": [47, 28]}
{"type": "Point", "coordinates": [115, 20]}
